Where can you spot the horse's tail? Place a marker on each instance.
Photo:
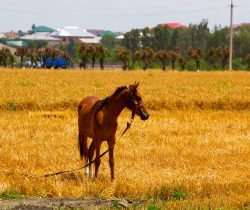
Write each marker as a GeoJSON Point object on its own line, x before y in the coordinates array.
{"type": "Point", "coordinates": [81, 145]}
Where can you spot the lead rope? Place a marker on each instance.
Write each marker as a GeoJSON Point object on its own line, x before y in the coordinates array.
{"type": "Point", "coordinates": [128, 124]}
{"type": "Point", "coordinates": [67, 171]}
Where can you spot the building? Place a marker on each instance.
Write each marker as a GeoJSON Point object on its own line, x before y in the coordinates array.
{"type": "Point", "coordinates": [42, 29]}
{"type": "Point", "coordinates": [236, 26]}
{"type": "Point", "coordinates": [173, 25]}
{"type": "Point", "coordinates": [17, 43]}
{"type": "Point", "coordinates": [11, 35]}
{"type": "Point", "coordinates": [75, 33]}
{"type": "Point", "coordinates": [120, 37]}
{"type": "Point", "coordinates": [42, 36]}
{"type": "Point", "coordinates": [94, 40]}
{"type": "Point", "coordinates": [96, 32]}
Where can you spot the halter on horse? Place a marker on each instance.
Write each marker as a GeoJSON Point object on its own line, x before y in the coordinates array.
{"type": "Point", "coordinates": [97, 119]}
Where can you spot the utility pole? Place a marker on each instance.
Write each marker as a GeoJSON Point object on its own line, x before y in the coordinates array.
{"type": "Point", "coordinates": [231, 36]}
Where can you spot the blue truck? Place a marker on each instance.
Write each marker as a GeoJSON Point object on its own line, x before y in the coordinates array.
{"type": "Point", "coordinates": [58, 62]}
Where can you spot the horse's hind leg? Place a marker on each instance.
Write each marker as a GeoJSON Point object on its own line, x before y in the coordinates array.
{"type": "Point", "coordinates": [83, 148]}
{"type": "Point", "coordinates": [98, 159]}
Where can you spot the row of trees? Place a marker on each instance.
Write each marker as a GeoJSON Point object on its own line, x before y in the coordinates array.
{"type": "Point", "coordinates": [146, 57]}
{"type": "Point", "coordinates": [196, 36]}
{"type": "Point", "coordinates": [172, 57]}
{"type": "Point", "coordinates": [91, 52]}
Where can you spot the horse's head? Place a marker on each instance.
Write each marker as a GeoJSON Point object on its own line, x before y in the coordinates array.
{"type": "Point", "coordinates": [135, 103]}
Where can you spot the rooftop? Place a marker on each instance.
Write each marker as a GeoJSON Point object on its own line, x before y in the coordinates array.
{"type": "Point", "coordinates": [42, 29]}
{"type": "Point", "coordinates": [235, 26]}
{"type": "Point", "coordinates": [71, 31]}
{"type": "Point", "coordinates": [173, 25]}
{"type": "Point", "coordinates": [11, 34]}
{"type": "Point", "coordinates": [40, 36]}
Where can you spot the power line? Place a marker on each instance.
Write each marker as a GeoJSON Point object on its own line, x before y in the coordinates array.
{"type": "Point", "coordinates": [103, 14]}
{"type": "Point", "coordinates": [142, 7]}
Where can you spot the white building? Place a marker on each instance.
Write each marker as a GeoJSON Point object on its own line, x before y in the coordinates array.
{"type": "Point", "coordinates": [76, 33]}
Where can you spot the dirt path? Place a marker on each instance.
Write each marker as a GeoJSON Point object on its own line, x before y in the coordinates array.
{"type": "Point", "coordinates": [60, 203]}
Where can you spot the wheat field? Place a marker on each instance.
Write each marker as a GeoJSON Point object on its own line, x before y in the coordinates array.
{"type": "Point", "coordinates": [193, 152]}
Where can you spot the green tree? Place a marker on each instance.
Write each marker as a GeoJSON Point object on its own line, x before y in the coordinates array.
{"type": "Point", "coordinates": [146, 40]}
{"type": "Point", "coordinates": [182, 62]}
{"type": "Point", "coordinates": [161, 36]}
{"type": "Point", "coordinates": [109, 42]}
{"type": "Point", "coordinates": [102, 53]}
{"type": "Point", "coordinates": [242, 41]}
{"type": "Point", "coordinates": [84, 56]}
{"type": "Point", "coordinates": [12, 59]}
{"type": "Point", "coordinates": [196, 55]}
{"type": "Point", "coordinates": [199, 34]}
{"type": "Point", "coordinates": [4, 55]}
{"type": "Point", "coordinates": [173, 41]}
{"type": "Point", "coordinates": [92, 54]}
{"type": "Point", "coordinates": [123, 55]}
{"type": "Point", "coordinates": [145, 56]}
{"type": "Point", "coordinates": [21, 52]}
{"type": "Point", "coordinates": [224, 56]}
{"type": "Point", "coordinates": [132, 40]}
{"type": "Point", "coordinates": [163, 56]}
{"type": "Point", "coordinates": [173, 56]}
{"type": "Point", "coordinates": [247, 59]}
{"type": "Point", "coordinates": [218, 37]}
{"type": "Point", "coordinates": [40, 56]}
{"type": "Point", "coordinates": [213, 55]}
{"type": "Point", "coordinates": [37, 44]}
{"type": "Point", "coordinates": [87, 52]}
{"type": "Point", "coordinates": [32, 54]}
{"type": "Point", "coordinates": [72, 49]}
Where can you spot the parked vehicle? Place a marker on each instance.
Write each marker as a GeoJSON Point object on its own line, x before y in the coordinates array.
{"type": "Point", "coordinates": [57, 63]}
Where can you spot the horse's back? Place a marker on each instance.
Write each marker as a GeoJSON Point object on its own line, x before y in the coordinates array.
{"type": "Point", "coordinates": [86, 112]}
{"type": "Point", "coordinates": [87, 103]}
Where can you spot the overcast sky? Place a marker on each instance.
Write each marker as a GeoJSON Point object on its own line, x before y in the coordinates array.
{"type": "Point", "coordinates": [117, 15]}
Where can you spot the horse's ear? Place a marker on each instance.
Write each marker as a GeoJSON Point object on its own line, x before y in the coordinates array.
{"type": "Point", "coordinates": [136, 84]}
{"type": "Point", "coordinates": [131, 89]}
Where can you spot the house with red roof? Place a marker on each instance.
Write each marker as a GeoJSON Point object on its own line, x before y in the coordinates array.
{"type": "Point", "coordinates": [11, 35]}
{"type": "Point", "coordinates": [173, 25]}
{"type": "Point", "coordinates": [236, 26]}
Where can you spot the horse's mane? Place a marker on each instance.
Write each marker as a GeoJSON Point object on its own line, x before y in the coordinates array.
{"type": "Point", "coordinates": [101, 103]}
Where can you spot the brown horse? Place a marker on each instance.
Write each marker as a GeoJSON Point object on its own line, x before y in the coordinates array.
{"type": "Point", "coordinates": [97, 119]}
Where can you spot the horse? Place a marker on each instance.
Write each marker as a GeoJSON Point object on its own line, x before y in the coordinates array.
{"type": "Point", "coordinates": [97, 119]}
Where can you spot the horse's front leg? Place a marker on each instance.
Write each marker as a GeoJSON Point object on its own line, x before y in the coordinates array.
{"type": "Point", "coordinates": [111, 145]}
{"type": "Point", "coordinates": [90, 155]}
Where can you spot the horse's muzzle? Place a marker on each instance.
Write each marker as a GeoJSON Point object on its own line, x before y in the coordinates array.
{"type": "Point", "coordinates": [144, 115]}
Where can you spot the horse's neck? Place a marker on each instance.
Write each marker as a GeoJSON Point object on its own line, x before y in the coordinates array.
{"type": "Point", "coordinates": [116, 105]}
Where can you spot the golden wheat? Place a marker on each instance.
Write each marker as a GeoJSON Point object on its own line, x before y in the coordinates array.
{"type": "Point", "coordinates": [195, 147]}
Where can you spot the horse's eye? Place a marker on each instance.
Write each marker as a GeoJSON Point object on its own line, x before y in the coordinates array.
{"type": "Point", "coordinates": [138, 98]}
